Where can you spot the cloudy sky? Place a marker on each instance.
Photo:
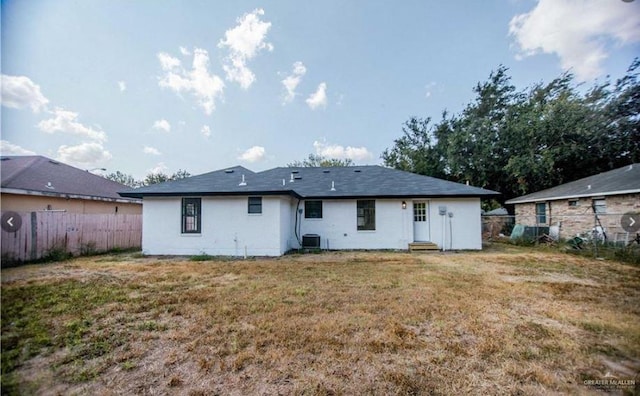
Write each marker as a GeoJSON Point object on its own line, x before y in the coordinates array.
{"type": "Point", "coordinates": [141, 86]}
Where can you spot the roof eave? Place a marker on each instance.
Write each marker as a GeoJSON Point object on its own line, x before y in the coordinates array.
{"type": "Point", "coordinates": [18, 191]}
{"type": "Point", "coordinates": [572, 196]}
{"type": "Point", "coordinates": [206, 194]}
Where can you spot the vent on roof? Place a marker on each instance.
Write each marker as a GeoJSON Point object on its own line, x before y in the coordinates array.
{"type": "Point", "coordinates": [333, 186]}
{"type": "Point", "coordinates": [229, 171]}
{"type": "Point", "coordinates": [297, 177]}
{"type": "Point", "coordinates": [54, 162]}
{"type": "Point", "coordinates": [357, 171]}
{"type": "Point", "coordinates": [243, 182]}
{"type": "Point", "coordinates": [295, 171]}
{"type": "Point", "coordinates": [326, 171]}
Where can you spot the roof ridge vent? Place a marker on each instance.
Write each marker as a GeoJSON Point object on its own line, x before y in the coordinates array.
{"type": "Point", "coordinates": [229, 171]}
{"type": "Point", "coordinates": [243, 182]}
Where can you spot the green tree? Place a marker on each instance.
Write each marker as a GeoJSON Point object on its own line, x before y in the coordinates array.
{"type": "Point", "coordinates": [418, 150]}
{"type": "Point", "coordinates": [123, 178]}
{"type": "Point", "coordinates": [518, 142]}
{"type": "Point", "coordinates": [161, 177]}
{"type": "Point", "coordinates": [315, 160]}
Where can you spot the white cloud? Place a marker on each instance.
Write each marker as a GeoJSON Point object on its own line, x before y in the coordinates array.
{"type": "Point", "coordinates": [580, 33]}
{"type": "Point", "coordinates": [8, 148]}
{"type": "Point", "coordinates": [254, 154]}
{"type": "Point", "coordinates": [159, 168]}
{"type": "Point", "coordinates": [184, 51]}
{"type": "Point", "coordinates": [83, 155]}
{"type": "Point", "coordinates": [244, 42]}
{"type": "Point", "coordinates": [162, 125]}
{"type": "Point", "coordinates": [151, 150]}
{"type": "Point", "coordinates": [341, 152]}
{"type": "Point", "coordinates": [318, 98]}
{"type": "Point", "coordinates": [168, 62]}
{"type": "Point", "coordinates": [67, 121]}
{"type": "Point", "coordinates": [206, 131]}
{"type": "Point", "coordinates": [122, 85]}
{"type": "Point", "coordinates": [205, 87]}
{"type": "Point", "coordinates": [291, 81]}
{"type": "Point", "coordinates": [19, 92]}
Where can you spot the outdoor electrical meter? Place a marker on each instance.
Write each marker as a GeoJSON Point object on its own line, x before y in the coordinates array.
{"type": "Point", "coordinates": [442, 210]}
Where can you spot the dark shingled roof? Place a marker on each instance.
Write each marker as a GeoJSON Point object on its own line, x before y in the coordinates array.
{"type": "Point", "coordinates": [39, 174]}
{"type": "Point", "coordinates": [326, 183]}
{"type": "Point", "coordinates": [625, 180]}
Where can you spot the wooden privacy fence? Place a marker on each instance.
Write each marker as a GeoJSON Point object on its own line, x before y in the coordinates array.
{"type": "Point", "coordinates": [42, 233]}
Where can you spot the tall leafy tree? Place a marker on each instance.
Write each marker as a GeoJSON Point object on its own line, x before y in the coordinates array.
{"type": "Point", "coordinates": [418, 150]}
{"type": "Point", "coordinates": [518, 142]}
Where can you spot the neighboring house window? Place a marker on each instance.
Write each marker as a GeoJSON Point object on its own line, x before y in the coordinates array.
{"type": "Point", "coordinates": [255, 205]}
{"type": "Point", "coordinates": [573, 203]}
{"type": "Point", "coordinates": [366, 214]}
{"type": "Point", "coordinates": [541, 213]}
{"type": "Point", "coordinates": [312, 209]}
{"type": "Point", "coordinates": [600, 206]}
{"type": "Point", "coordinates": [191, 215]}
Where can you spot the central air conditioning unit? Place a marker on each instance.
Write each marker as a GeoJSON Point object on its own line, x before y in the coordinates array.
{"type": "Point", "coordinates": [311, 241]}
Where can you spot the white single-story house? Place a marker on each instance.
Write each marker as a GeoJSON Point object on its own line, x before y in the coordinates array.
{"type": "Point", "coordinates": [237, 212]}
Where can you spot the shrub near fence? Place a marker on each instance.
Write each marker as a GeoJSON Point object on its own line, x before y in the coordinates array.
{"type": "Point", "coordinates": [47, 233]}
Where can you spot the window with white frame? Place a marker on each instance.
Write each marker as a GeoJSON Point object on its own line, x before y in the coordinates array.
{"type": "Point", "coordinates": [600, 205]}
{"type": "Point", "coordinates": [541, 213]}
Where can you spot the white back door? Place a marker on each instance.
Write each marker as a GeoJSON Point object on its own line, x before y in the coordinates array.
{"type": "Point", "coordinates": [420, 221]}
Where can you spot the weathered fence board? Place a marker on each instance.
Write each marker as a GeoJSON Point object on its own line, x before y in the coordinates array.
{"type": "Point", "coordinates": [44, 232]}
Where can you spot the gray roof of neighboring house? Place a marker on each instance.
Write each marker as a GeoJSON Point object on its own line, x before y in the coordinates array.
{"type": "Point", "coordinates": [309, 182]}
{"type": "Point", "coordinates": [497, 212]}
{"type": "Point", "coordinates": [625, 180]}
{"type": "Point", "coordinates": [43, 176]}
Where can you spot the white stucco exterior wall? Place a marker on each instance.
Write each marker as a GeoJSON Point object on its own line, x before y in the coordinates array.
{"type": "Point", "coordinates": [227, 228]}
{"type": "Point", "coordinates": [394, 225]}
{"type": "Point", "coordinates": [465, 226]}
{"type": "Point", "coordinates": [338, 227]}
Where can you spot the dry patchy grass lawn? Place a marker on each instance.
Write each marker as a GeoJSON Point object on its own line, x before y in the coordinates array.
{"type": "Point", "coordinates": [496, 322]}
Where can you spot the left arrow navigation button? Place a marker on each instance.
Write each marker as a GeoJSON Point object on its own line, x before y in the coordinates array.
{"type": "Point", "coordinates": [11, 221]}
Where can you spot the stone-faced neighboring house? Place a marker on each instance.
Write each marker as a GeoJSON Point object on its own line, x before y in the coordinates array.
{"type": "Point", "coordinates": [238, 212]}
{"type": "Point", "coordinates": [573, 206]}
{"type": "Point", "coordinates": [36, 183]}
